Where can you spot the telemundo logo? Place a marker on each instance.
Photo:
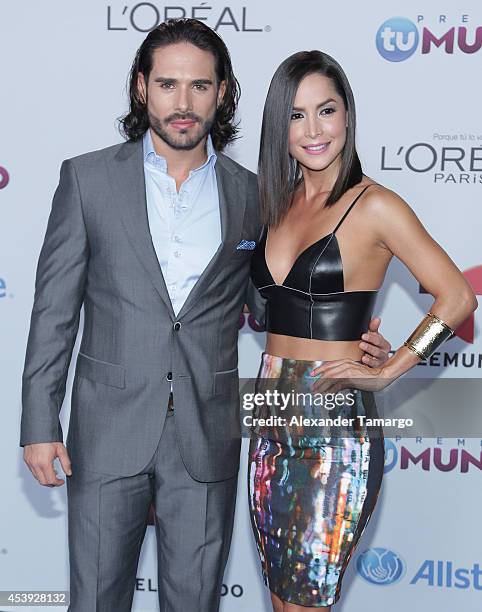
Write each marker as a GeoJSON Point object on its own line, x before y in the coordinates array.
{"type": "Point", "coordinates": [397, 39]}
{"type": "Point", "coordinates": [380, 566]}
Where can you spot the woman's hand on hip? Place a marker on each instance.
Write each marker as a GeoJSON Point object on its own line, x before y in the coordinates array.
{"type": "Point", "coordinates": [348, 374]}
{"type": "Point", "coordinates": [375, 346]}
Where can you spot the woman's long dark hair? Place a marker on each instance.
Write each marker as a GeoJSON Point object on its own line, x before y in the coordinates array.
{"type": "Point", "coordinates": [134, 123]}
{"type": "Point", "coordinates": [278, 173]}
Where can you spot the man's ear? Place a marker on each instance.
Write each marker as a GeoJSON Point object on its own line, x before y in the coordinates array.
{"type": "Point", "coordinates": [221, 92]}
{"type": "Point", "coordinates": [141, 87]}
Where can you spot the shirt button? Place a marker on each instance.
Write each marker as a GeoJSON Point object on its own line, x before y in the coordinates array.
{"type": "Point", "coordinates": [177, 254]}
{"type": "Point", "coordinates": [169, 376]}
{"type": "Point", "coordinates": [177, 239]}
{"type": "Point", "coordinates": [177, 326]}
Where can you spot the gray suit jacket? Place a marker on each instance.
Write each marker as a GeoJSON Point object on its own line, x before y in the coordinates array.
{"type": "Point", "coordinates": [98, 253]}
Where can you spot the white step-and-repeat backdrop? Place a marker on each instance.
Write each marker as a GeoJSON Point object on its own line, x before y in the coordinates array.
{"type": "Point", "coordinates": [415, 69]}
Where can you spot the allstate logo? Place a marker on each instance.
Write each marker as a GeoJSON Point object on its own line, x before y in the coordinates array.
{"type": "Point", "coordinates": [397, 39]}
{"type": "Point", "coordinates": [380, 566]}
{"type": "Point", "coordinates": [391, 455]}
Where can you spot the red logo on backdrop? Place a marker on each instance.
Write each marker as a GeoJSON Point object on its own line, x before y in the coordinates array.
{"type": "Point", "coordinates": [4, 177]}
{"type": "Point", "coordinates": [466, 330]}
{"type": "Point", "coordinates": [252, 323]}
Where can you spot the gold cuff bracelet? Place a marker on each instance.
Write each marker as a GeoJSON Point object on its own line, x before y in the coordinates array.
{"type": "Point", "coordinates": [428, 336]}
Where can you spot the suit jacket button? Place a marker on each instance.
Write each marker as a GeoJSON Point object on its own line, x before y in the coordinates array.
{"type": "Point", "coordinates": [169, 376]}
{"type": "Point", "coordinates": [177, 326]}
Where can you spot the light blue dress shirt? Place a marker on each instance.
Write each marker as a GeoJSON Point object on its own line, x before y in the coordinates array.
{"type": "Point", "coordinates": [185, 226]}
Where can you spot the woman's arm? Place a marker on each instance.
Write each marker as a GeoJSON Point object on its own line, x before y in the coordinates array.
{"type": "Point", "coordinates": [403, 234]}
{"type": "Point", "coordinates": [400, 231]}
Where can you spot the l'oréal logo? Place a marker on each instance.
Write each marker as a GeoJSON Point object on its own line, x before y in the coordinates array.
{"type": "Point", "coordinates": [145, 16]}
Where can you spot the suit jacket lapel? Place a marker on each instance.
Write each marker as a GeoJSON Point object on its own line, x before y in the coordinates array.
{"type": "Point", "coordinates": [126, 173]}
{"type": "Point", "coordinates": [232, 204]}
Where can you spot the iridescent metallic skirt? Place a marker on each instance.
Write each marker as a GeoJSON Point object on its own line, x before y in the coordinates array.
{"type": "Point", "coordinates": [311, 494]}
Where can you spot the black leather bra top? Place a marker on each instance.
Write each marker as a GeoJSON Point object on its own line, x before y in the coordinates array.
{"type": "Point", "coordinates": [311, 302]}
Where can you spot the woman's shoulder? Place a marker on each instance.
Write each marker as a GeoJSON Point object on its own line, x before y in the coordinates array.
{"type": "Point", "coordinates": [372, 190]}
{"type": "Point", "coordinates": [384, 211]}
{"type": "Point", "coordinates": [379, 200]}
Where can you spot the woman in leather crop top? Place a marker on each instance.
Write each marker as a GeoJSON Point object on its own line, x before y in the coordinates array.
{"type": "Point", "coordinates": [330, 233]}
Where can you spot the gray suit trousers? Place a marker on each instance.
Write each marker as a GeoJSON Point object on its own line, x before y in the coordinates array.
{"type": "Point", "coordinates": [107, 523]}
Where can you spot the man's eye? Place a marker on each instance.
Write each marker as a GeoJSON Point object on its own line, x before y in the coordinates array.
{"type": "Point", "coordinates": [167, 85]}
{"type": "Point", "coordinates": [200, 86]}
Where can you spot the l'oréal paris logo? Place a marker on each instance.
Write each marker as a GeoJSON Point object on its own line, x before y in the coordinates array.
{"type": "Point", "coordinates": [458, 162]}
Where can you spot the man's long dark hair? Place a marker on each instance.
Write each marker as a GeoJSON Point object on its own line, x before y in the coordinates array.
{"type": "Point", "coordinates": [278, 173]}
{"type": "Point", "coordinates": [135, 123]}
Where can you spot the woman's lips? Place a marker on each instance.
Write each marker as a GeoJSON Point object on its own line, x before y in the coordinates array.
{"type": "Point", "coordinates": [316, 149]}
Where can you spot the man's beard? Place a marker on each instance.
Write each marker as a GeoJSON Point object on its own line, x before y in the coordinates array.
{"type": "Point", "coordinates": [160, 128]}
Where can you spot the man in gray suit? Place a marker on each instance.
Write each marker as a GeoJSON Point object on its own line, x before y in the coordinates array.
{"type": "Point", "coordinates": [149, 236]}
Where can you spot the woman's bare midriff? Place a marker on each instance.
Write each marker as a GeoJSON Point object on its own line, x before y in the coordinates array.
{"type": "Point", "coordinates": [311, 350]}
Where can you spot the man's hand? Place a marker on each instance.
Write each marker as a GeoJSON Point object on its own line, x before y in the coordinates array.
{"type": "Point", "coordinates": [375, 346]}
{"type": "Point", "coordinates": [40, 460]}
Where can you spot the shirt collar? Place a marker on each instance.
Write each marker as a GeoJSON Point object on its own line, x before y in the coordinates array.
{"type": "Point", "coordinates": [158, 161]}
